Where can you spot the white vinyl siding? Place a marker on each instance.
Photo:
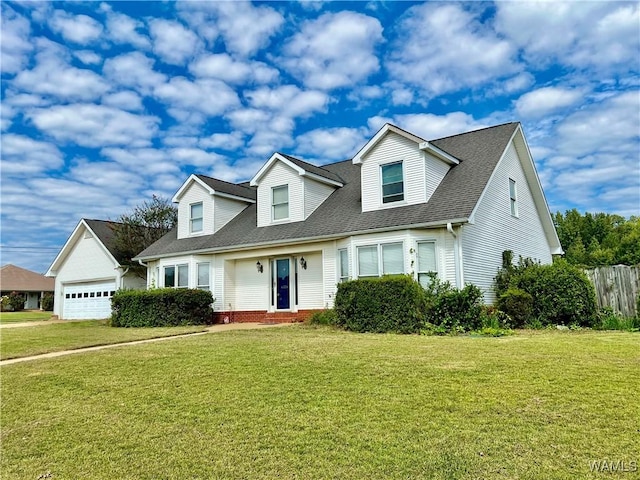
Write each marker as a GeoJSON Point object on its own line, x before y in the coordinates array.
{"type": "Point", "coordinates": [436, 169]}
{"type": "Point", "coordinates": [225, 209]}
{"type": "Point", "coordinates": [196, 217]}
{"type": "Point", "coordinates": [310, 282]}
{"type": "Point", "coordinates": [278, 175]}
{"type": "Point", "coordinates": [280, 203]}
{"type": "Point", "coordinates": [392, 179]}
{"type": "Point", "coordinates": [393, 148]}
{"type": "Point", "coordinates": [314, 194]}
{"type": "Point", "coordinates": [252, 290]}
{"type": "Point", "coordinates": [193, 195]}
{"type": "Point", "coordinates": [495, 229]}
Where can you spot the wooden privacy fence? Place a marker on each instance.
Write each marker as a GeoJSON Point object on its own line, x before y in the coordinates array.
{"type": "Point", "coordinates": [616, 287]}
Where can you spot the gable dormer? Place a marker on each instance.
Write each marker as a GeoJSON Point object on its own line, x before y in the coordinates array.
{"type": "Point", "coordinates": [206, 204]}
{"type": "Point", "coordinates": [399, 168]}
{"type": "Point", "coordinates": [289, 189]}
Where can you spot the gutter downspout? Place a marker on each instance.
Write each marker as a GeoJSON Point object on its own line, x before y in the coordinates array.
{"type": "Point", "coordinates": [147, 267]}
{"type": "Point", "coordinates": [457, 256]}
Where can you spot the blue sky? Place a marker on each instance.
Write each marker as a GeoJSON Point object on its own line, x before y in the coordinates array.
{"type": "Point", "coordinates": [105, 104]}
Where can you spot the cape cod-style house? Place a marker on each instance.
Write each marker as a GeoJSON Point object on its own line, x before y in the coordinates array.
{"type": "Point", "coordinates": [275, 248]}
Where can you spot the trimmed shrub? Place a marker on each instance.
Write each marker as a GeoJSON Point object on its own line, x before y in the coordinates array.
{"type": "Point", "coordinates": [518, 305]}
{"type": "Point", "coordinates": [162, 307]}
{"type": "Point", "coordinates": [323, 317]}
{"type": "Point", "coordinates": [561, 293]}
{"type": "Point", "coordinates": [386, 304]}
{"type": "Point", "coordinates": [451, 310]}
{"type": "Point", "coordinates": [47, 302]}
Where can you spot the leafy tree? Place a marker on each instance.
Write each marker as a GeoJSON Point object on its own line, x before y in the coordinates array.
{"type": "Point", "coordinates": [598, 239]}
{"type": "Point", "coordinates": [137, 230]}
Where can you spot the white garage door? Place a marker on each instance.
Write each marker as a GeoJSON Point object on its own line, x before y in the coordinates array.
{"type": "Point", "coordinates": [88, 300]}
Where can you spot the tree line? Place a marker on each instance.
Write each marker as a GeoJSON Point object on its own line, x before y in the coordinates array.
{"type": "Point", "coordinates": [598, 239]}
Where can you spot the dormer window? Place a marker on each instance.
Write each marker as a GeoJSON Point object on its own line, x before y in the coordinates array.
{"type": "Point", "coordinates": [280, 202]}
{"type": "Point", "coordinates": [392, 182]}
{"type": "Point", "coordinates": [195, 218]}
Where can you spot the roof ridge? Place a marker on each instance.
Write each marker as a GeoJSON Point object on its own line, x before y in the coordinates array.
{"type": "Point", "coordinates": [474, 131]}
{"type": "Point", "coordinates": [223, 181]}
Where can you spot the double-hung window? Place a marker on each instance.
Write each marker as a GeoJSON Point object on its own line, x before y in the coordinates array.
{"type": "Point", "coordinates": [513, 197]}
{"type": "Point", "coordinates": [280, 202]}
{"type": "Point", "coordinates": [392, 182]}
{"type": "Point", "coordinates": [343, 256]}
{"type": "Point", "coordinates": [203, 276]}
{"type": "Point", "coordinates": [426, 262]}
{"type": "Point", "coordinates": [195, 217]}
{"type": "Point", "coordinates": [176, 276]}
{"type": "Point", "coordinates": [389, 256]}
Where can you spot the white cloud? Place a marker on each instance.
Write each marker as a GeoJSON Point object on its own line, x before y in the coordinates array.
{"type": "Point", "coordinates": [80, 29]}
{"type": "Point", "coordinates": [95, 125]}
{"type": "Point", "coordinates": [603, 34]}
{"type": "Point", "coordinates": [126, 100]}
{"type": "Point", "coordinates": [134, 70]}
{"type": "Point", "coordinates": [288, 100]}
{"type": "Point", "coordinates": [223, 67]}
{"type": "Point", "coordinates": [124, 30]}
{"type": "Point", "coordinates": [15, 45]}
{"type": "Point", "coordinates": [195, 157]}
{"type": "Point", "coordinates": [209, 97]}
{"type": "Point", "coordinates": [543, 101]}
{"type": "Point", "coordinates": [26, 156]}
{"type": "Point", "coordinates": [54, 76]}
{"type": "Point", "coordinates": [444, 48]}
{"type": "Point", "coordinates": [224, 141]}
{"type": "Point", "coordinates": [331, 143]}
{"type": "Point", "coordinates": [336, 50]}
{"type": "Point", "coordinates": [174, 43]}
{"type": "Point", "coordinates": [152, 161]}
{"type": "Point", "coordinates": [88, 57]}
{"type": "Point", "coordinates": [244, 27]}
{"type": "Point", "coordinates": [431, 127]}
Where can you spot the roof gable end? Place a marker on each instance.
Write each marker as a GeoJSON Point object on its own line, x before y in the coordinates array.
{"type": "Point", "coordinates": [386, 128]}
{"type": "Point", "coordinates": [302, 168]}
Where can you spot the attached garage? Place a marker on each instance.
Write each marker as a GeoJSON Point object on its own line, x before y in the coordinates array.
{"type": "Point", "coordinates": [88, 271]}
{"type": "Point", "coordinates": [87, 300]}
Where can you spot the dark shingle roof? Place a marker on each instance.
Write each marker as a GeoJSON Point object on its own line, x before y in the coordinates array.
{"type": "Point", "coordinates": [308, 167]}
{"type": "Point", "coordinates": [17, 279]}
{"type": "Point", "coordinates": [104, 231]}
{"type": "Point", "coordinates": [237, 190]}
{"type": "Point", "coordinates": [341, 214]}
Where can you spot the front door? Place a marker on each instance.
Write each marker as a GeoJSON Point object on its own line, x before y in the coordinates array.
{"type": "Point", "coordinates": [283, 295]}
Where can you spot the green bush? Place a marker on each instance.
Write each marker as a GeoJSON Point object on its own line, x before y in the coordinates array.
{"type": "Point", "coordinates": [451, 310]}
{"type": "Point", "coordinates": [562, 293]}
{"type": "Point", "coordinates": [386, 304]}
{"type": "Point", "coordinates": [518, 305]}
{"type": "Point", "coordinates": [608, 319]}
{"type": "Point", "coordinates": [161, 307]}
{"type": "Point", "coordinates": [323, 317]}
{"type": "Point", "coordinates": [15, 302]}
{"type": "Point", "coordinates": [47, 302]}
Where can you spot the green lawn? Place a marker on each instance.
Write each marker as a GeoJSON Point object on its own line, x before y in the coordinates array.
{"type": "Point", "coordinates": [298, 402]}
{"type": "Point", "coordinates": [25, 341]}
{"type": "Point", "coordinates": [17, 317]}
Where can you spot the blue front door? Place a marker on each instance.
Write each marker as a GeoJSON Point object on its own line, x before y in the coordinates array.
{"type": "Point", "coordinates": [283, 296]}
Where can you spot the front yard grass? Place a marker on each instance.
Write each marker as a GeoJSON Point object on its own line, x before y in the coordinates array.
{"type": "Point", "coordinates": [28, 316]}
{"type": "Point", "coordinates": [299, 402]}
{"type": "Point", "coordinates": [25, 341]}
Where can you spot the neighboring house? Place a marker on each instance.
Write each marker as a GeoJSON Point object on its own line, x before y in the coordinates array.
{"type": "Point", "coordinates": [276, 248]}
{"type": "Point", "coordinates": [88, 272]}
{"type": "Point", "coordinates": [29, 284]}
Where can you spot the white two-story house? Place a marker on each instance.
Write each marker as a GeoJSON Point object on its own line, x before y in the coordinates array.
{"type": "Point", "coordinates": [275, 248]}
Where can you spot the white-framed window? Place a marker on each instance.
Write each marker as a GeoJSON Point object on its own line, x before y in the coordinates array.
{"type": "Point", "coordinates": [343, 258]}
{"type": "Point", "coordinates": [426, 262]}
{"type": "Point", "coordinates": [176, 276]}
{"type": "Point", "coordinates": [392, 182]}
{"type": "Point", "coordinates": [203, 276]}
{"type": "Point", "coordinates": [513, 198]}
{"type": "Point", "coordinates": [280, 202]}
{"type": "Point", "coordinates": [380, 259]}
{"type": "Point", "coordinates": [195, 217]}
{"type": "Point", "coordinates": [392, 259]}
